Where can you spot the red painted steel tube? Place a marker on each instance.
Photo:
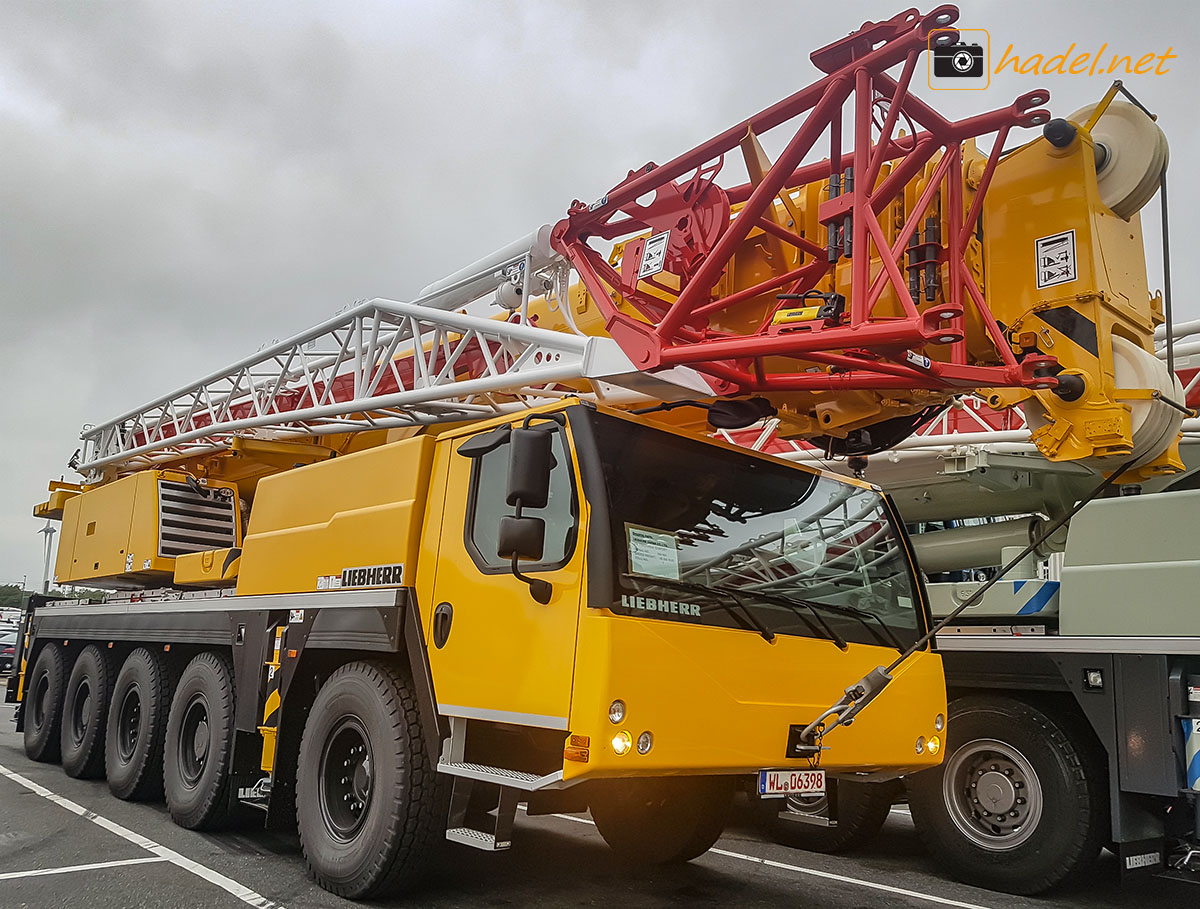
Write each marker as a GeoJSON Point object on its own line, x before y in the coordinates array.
{"type": "Point", "coordinates": [889, 263]}
{"type": "Point", "coordinates": [914, 219]}
{"type": "Point", "coordinates": [710, 270]}
{"type": "Point", "coordinates": [889, 122]}
{"type": "Point", "coordinates": [900, 333]}
{"type": "Point", "coordinates": [770, 284]}
{"type": "Point", "coordinates": [860, 274]}
{"type": "Point", "coordinates": [788, 236]}
{"type": "Point", "coordinates": [881, 58]}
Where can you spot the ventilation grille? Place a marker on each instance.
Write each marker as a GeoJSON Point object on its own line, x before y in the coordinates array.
{"type": "Point", "coordinates": [192, 522]}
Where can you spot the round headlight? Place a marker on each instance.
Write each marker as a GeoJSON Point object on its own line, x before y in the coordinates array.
{"type": "Point", "coordinates": [616, 711]}
{"type": "Point", "coordinates": [645, 742]}
{"type": "Point", "coordinates": [622, 742]}
{"type": "Point", "coordinates": [939, 722]}
{"type": "Point", "coordinates": [920, 744]}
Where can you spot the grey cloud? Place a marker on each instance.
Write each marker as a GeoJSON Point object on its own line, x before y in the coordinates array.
{"type": "Point", "coordinates": [184, 181]}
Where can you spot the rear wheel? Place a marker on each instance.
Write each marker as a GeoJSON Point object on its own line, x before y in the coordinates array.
{"type": "Point", "coordinates": [862, 809]}
{"type": "Point", "coordinates": [1020, 801]}
{"type": "Point", "coordinates": [137, 727]}
{"type": "Point", "coordinates": [196, 766]}
{"type": "Point", "coordinates": [85, 711]}
{"type": "Point", "coordinates": [43, 705]}
{"type": "Point", "coordinates": [370, 807]}
{"type": "Point", "coordinates": [665, 820]}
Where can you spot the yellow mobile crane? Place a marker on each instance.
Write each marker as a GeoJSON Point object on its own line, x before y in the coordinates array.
{"type": "Point", "coordinates": [415, 565]}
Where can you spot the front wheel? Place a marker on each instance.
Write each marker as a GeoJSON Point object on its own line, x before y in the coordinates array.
{"type": "Point", "coordinates": [661, 821]}
{"type": "Point", "coordinates": [370, 807]}
{"type": "Point", "coordinates": [1019, 803]}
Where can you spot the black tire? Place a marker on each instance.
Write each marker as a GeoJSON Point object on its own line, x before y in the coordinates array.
{"type": "Point", "coordinates": [375, 828]}
{"type": "Point", "coordinates": [43, 705]}
{"type": "Point", "coordinates": [137, 727]}
{"type": "Point", "coordinates": [85, 713]}
{"type": "Point", "coordinates": [663, 820]}
{"type": "Point", "coordinates": [199, 743]}
{"type": "Point", "coordinates": [1053, 775]}
{"type": "Point", "coordinates": [862, 809]}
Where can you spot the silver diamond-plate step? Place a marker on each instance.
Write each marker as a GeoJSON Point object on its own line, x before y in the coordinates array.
{"type": "Point", "coordinates": [476, 839]}
{"type": "Point", "coordinates": [515, 779]}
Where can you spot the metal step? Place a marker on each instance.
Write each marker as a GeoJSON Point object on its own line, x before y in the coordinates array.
{"type": "Point", "coordinates": [513, 779]}
{"type": "Point", "coordinates": [476, 839]}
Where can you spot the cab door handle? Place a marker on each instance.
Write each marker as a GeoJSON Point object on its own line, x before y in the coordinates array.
{"type": "Point", "coordinates": [443, 617]}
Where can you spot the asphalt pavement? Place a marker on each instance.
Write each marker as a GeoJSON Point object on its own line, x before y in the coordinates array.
{"type": "Point", "coordinates": [69, 843]}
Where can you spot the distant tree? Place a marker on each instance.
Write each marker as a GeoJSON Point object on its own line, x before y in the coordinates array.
{"type": "Point", "coordinates": [12, 596]}
{"type": "Point", "coordinates": [79, 593]}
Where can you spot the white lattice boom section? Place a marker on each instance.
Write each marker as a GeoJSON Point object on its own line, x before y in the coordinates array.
{"type": "Point", "coordinates": [384, 364]}
{"type": "Point", "coordinates": [381, 364]}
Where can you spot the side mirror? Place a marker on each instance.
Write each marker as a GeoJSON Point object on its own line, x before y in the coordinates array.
{"type": "Point", "coordinates": [521, 538]}
{"type": "Point", "coordinates": [529, 464]}
{"type": "Point", "coordinates": [524, 538]}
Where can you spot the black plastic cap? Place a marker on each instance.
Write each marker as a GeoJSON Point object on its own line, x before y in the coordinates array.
{"type": "Point", "coordinates": [1059, 132]}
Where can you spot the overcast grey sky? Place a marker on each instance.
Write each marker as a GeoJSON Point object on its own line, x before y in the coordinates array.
{"type": "Point", "coordinates": [184, 181]}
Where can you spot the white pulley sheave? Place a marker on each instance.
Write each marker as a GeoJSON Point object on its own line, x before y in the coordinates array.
{"type": "Point", "coordinates": [1153, 423]}
{"type": "Point", "coordinates": [1135, 154]}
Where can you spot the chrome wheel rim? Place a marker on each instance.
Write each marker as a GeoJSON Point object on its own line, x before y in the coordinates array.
{"type": "Point", "coordinates": [993, 795]}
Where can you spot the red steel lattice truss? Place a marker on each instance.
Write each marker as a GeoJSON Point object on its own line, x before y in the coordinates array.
{"type": "Point", "coordinates": [863, 349]}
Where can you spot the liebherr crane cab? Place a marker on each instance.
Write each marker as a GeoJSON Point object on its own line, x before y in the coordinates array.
{"type": "Point", "coordinates": [418, 564]}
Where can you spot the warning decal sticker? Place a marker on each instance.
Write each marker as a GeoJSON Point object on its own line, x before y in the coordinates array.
{"type": "Point", "coordinates": [1055, 259]}
{"type": "Point", "coordinates": [654, 257]}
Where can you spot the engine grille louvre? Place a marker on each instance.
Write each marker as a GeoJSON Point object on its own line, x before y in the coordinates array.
{"type": "Point", "coordinates": [191, 522]}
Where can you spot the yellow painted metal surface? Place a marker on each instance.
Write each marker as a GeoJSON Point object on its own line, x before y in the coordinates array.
{"type": "Point", "coordinates": [1036, 192]}
{"type": "Point", "coordinates": [360, 510]}
{"type": "Point", "coordinates": [720, 701]}
{"type": "Point", "coordinates": [110, 533]}
{"type": "Point", "coordinates": [507, 655]}
{"type": "Point", "coordinates": [209, 568]}
{"type": "Point", "coordinates": [716, 700]}
{"type": "Point", "coordinates": [1042, 192]}
{"type": "Point", "coordinates": [60, 494]}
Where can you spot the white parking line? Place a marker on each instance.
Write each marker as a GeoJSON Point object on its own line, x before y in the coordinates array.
{"type": "Point", "coordinates": [827, 875]}
{"type": "Point", "coordinates": [95, 866]}
{"type": "Point", "coordinates": [245, 894]}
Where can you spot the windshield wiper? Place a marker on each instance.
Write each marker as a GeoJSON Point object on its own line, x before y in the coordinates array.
{"type": "Point", "coordinates": [738, 597]}
{"type": "Point", "coordinates": [830, 632]}
{"type": "Point", "coordinates": [859, 614]}
{"type": "Point", "coordinates": [767, 634]}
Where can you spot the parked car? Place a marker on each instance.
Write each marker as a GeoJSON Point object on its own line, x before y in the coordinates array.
{"type": "Point", "coordinates": [8, 649]}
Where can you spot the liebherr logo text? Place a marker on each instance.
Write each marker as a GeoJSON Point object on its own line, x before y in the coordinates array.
{"type": "Point", "coordinates": [1147, 860]}
{"type": "Point", "coordinates": [373, 576]}
{"type": "Point", "coordinates": [649, 604]}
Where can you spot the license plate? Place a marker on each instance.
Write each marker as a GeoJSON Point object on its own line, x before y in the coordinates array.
{"type": "Point", "coordinates": [791, 782]}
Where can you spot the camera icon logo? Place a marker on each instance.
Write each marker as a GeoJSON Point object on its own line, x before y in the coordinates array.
{"type": "Point", "coordinates": [959, 58]}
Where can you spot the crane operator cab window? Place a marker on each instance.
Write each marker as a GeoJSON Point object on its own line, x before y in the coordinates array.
{"type": "Point", "coordinates": [489, 478]}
